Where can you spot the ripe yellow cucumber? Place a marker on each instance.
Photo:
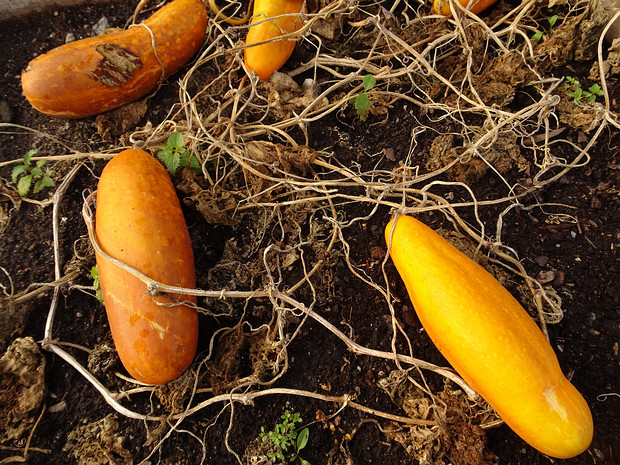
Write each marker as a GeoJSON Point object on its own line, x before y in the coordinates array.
{"type": "Point", "coordinates": [490, 340]}
{"type": "Point", "coordinates": [271, 19]}
{"type": "Point", "coordinates": [90, 76]}
{"type": "Point", "coordinates": [139, 221]}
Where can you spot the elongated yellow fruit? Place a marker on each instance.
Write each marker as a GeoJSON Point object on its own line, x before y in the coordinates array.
{"type": "Point", "coordinates": [490, 340]}
{"type": "Point", "coordinates": [97, 74]}
{"type": "Point", "coordinates": [139, 221]}
{"type": "Point", "coordinates": [271, 19]}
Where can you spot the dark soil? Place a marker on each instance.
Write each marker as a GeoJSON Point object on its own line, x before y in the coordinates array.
{"type": "Point", "coordinates": [565, 234]}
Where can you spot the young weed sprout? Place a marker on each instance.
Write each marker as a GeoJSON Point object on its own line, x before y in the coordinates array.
{"type": "Point", "coordinates": [174, 154]}
{"type": "Point", "coordinates": [577, 93]}
{"type": "Point", "coordinates": [286, 438]}
{"type": "Point", "coordinates": [362, 102]}
{"type": "Point", "coordinates": [29, 173]}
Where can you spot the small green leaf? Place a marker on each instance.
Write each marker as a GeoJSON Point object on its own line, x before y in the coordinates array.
{"type": "Point", "coordinates": [42, 183]}
{"type": "Point", "coordinates": [165, 152]}
{"type": "Point", "coordinates": [571, 82]}
{"type": "Point", "coordinates": [176, 140]}
{"type": "Point", "coordinates": [596, 89]}
{"type": "Point", "coordinates": [94, 273]}
{"type": "Point", "coordinates": [362, 105]}
{"type": "Point", "coordinates": [36, 172]}
{"type": "Point", "coordinates": [23, 186]}
{"type": "Point", "coordinates": [29, 155]}
{"type": "Point", "coordinates": [577, 95]}
{"type": "Point", "coordinates": [304, 462]}
{"type": "Point", "coordinates": [171, 159]}
{"type": "Point", "coordinates": [369, 82]}
{"type": "Point", "coordinates": [185, 156]}
{"type": "Point", "coordinates": [190, 160]}
{"type": "Point", "coordinates": [536, 37]}
{"type": "Point", "coordinates": [302, 439]}
{"type": "Point", "coordinates": [19, 169]}
{"type": "Point", "coordinates": [175, 161]}
{"type": "Point", "coordinates": [195, 165]}
{"type": "Point", "coordinates": [41, 162]}
{"type": "Point", "coordinates": [552, 21]}
{"type": "Point", "coordinates": [47, 181]}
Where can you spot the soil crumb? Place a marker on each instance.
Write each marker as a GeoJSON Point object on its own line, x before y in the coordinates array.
{"type": "Point", "coordinates": [22, 388]}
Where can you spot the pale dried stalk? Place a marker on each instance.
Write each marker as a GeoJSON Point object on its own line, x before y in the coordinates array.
{"type": "Point", "coordinates": [344, 400]}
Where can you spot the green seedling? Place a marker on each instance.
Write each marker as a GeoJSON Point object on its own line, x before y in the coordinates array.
{"type": "Point", "coordinates": [94, 273]}
{"type": "Point", "coordinates": [362, 102]}
{"type": "Point", "coordinates": [539, 35]}
{"type": "Point", "coordinates": [174, 154]}
{"type": "Point", "coordinates": [577, 93]}
{"type": "Point", "coordinates": [287, 441]}
{"type": "Point", "coordinates": [29, 173]}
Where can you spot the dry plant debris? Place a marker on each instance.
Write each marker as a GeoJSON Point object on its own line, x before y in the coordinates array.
{"type": "Point", "coordinates": [22, 388]}
{"type": "Point", "coordinates": [98, 443]}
